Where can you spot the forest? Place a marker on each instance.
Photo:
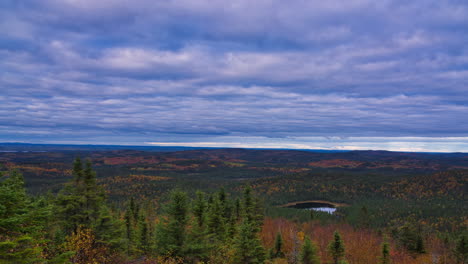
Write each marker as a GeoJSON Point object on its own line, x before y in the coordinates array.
{"type": "Point", "coordinates": [224, 206]}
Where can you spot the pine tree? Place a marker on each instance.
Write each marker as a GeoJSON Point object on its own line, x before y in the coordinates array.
{"type": "Point", "coordinates": [363, 219]}
{"type": "Point", "coordinates": [81, 203]}
{"type": "Point", "coordinates": [237, 209]}
{"type": "Point", "coordinates": [278, 247]}
{"type": "Point", "coordinates": [22, 221]}
{"type": "Point", "coordinates": [172, 234]}
{"type": "Point", "coordinates": [411, 237]}
{"type": "Point", "coordinates": [252, 209]}
{"type": "Point", "coordinates": [70, 202]}
{"type": "Point", "coordinates": [199, 209]}
{"type": "Point", "coordinates": [461, 250]}
{"type": "Point", "coordinates": [247, 246]}
{"type": "Point", "coordinates": [216, 223]}
{"type": "Point", "coordinates": [309, 253]}
{"type": "Point", "coordinates": [336, 248]}
{"type": "Point", "coordinates": [109, 229]}
{"type": "Point", "coordinates": [144, 244]}
{"type": "Point", "coordinates": [77, 171]}
{"type": "Point", "coordinates": [385, 258]}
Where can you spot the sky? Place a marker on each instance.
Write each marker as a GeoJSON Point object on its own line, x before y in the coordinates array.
{"type": "Point", "coordinates": [354, 74]}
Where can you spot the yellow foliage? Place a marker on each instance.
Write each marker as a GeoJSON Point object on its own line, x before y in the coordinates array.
{"type": "Point", "coordinates": [87, 250]}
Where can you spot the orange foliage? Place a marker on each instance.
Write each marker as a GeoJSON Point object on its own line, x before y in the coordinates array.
{"type": "Point", "coordinates": [362, 246]}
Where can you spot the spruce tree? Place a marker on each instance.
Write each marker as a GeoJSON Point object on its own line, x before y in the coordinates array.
{"type": "Point", "coordinates": [252, 210]}
{"type": "Point", "coordinates": [247, 246]}
{"type": "Point", "coordinates": [144, 244]}
{"type": "Point", "coordinates": [237, 209]}
{"type": "Point", "coordinates": [336, 248]}
{"type": "Point", "coordinates": [309, 253]}
{"type": "Point", "coordinates": [199, 209]}
{"type": "Point", "coordinates": [172, 234]}
{"type": "Point", "coordinates": [23, 221]}
{"type": "Point", "coordinates": [385, 258]}
{"type": "Point", "coordinates": [81, 203]}
{"type": "Point", "coordinates": [461, 249]}
{"type": "Point", "coordinates": [216, 223]}
{"type": "Point", "coordinates": [278, 247]}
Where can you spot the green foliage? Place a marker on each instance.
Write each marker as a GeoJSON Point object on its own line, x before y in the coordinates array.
{"type": "Point", "coordinates": [19, 250]}
{"type": "Point", "coordinates": [410, 236]}
{"type": "Point", "coordinates": [336, 248]}
{"type": "Point", "coordinates": [199, 209]}
{"type": "Point", "coordinates": [309, 253]}
{"type": "Point", "coordinates": [278, 247]}
{"type": "Point", "coordinates": [385, 258]}
{"type": "Point", "coordinates": [215, 220]}
{"type": "Point", "coordinates": [22, 222]}
{"type": "Point", "coordinates": [81, 201]}
{"type": "Point", "coordinates": [461, 249]}
{"type": "Point", "coordinates": [13, 203]}
{"type": "Point", "coordinates": [172, 233]}
{"type": "Point", "coordinates": [247, 245]}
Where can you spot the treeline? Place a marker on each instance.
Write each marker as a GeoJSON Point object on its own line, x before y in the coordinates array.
{"type": "Point", "coordinates": [79, 226]}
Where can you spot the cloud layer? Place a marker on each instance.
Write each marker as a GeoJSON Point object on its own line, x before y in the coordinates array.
{"type": "Point", "coordinates": [194, 71]}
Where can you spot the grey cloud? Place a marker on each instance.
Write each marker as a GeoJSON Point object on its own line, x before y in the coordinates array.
{"type": "Point", "coordinates": [263, 68]}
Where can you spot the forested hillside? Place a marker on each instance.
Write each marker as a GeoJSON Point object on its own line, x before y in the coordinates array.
{"type": "Point", "coordinates": [223, 206]}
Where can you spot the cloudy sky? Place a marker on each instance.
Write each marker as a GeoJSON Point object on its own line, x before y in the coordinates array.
{"type": "Point", "coordinates": [335, 74]}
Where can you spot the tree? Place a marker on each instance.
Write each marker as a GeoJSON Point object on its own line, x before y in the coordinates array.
{"type": "Point", "coordinates": [336, 248]}
{"type": "Point", "coordinates": [85, 247]}
{"type": "Point", "coordinates": [22, 221]}
{"type": "Point", "coordinates": [461, 250]}
{"type": "Point", "coordinates": [144, 241]}
{"type": "Point", "coordinates": [247, 246]}
{"type": "Point", "coordinates": [309, 253]}
{"type": "Point", "coordinates": [411, 237]}
{"type": "Point", "coordinates": [173, 233]}
{"type": "Point", "coordinates": [199, 209]}
{"type": "Point", "coordinates": [363, 218]}
{"type": "Point", "coordinates": [216, 223]}
{"type": "Point", "coordinates": [385, 258]}
{"type": "Point", "coordinates": [252, 210]}
{"type": "Point", "coordinates": [278, 247]}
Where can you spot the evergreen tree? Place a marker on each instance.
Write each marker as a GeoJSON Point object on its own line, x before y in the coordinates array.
{"type": "Point", "coordinates": [385, 258]}
{"type": "Point", "coordinates": [144, 244]}
{"type": "Point", "coordinates": [70, 203]}
{"type": "Point", "coordinates": [109, 229]}
{"type": "Point", "coordinates": [247, 246]}
{"type": "Point", "coordinates": [215, 221]}
{"type": "Point", "coordinates": [77, 171]}
{"type": "Point", "coordinates": [22, 222]}
{"type": "Point", "coordinates": [252, 209]}
{"type": "Point", "coordinates": [199, 209]}
{"type": "Point", "coordinates": [81, 205]}
{"type": "Point", "coordinates": [336, 248]}
{"type": "Point", "coordinates": [94, 195]}
{"type": "Point", "coordinates": [411, 237]}
{"type": "Point", "coordinates": [237, 209]}
{"type": "Point", "coordinates": [278, 247]}
{"type": "Point", "coordinates": [363, 219]}
{"type": "Point", "coordinates": [173, 233]}
{"type": "Point", "coordinates": [461, 250]}
{"type": "Point", "coordinates": [309, 253]}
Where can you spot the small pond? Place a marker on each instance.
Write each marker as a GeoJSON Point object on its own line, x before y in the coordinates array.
{"type": "Point", "coordinates": [316, 206]}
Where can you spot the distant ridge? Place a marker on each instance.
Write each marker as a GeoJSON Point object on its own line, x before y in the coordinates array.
{"type": "Point", "coordinates": [36, 147]}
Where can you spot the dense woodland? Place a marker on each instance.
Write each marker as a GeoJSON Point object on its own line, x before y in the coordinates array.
{"type": "Point", "coordinates": [118, 210]}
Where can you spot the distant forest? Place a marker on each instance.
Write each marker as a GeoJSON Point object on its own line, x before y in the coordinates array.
{"type": "Point", "coordinates": [223, 206]}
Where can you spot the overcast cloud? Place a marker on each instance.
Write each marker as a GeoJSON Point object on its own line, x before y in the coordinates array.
{"type": "Point", "coordinates": [355, 74]}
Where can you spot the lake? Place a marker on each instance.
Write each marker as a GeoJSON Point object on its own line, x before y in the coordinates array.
{"type": "Point", "coordinates": [316, 206]}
